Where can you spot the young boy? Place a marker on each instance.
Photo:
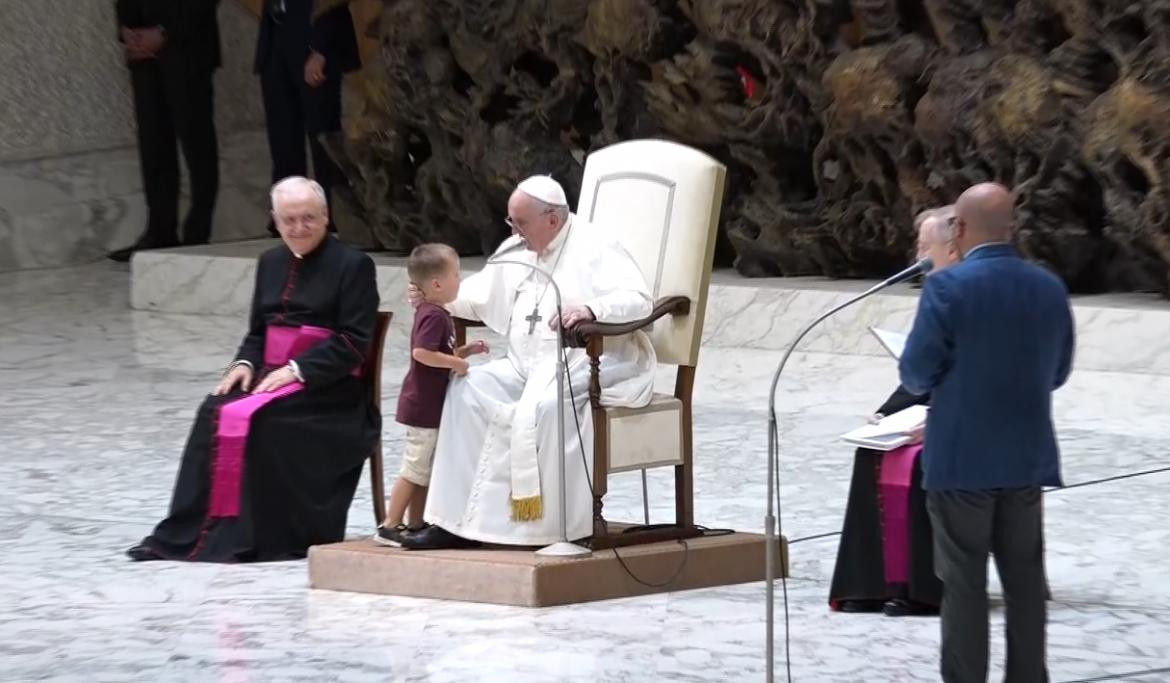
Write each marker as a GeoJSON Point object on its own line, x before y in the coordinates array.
{"type": "Point", "coordinates": [434, 269]}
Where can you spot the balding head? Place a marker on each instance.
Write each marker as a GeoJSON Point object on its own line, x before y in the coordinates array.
{"type": "Point", "coordinates": [984, 213]}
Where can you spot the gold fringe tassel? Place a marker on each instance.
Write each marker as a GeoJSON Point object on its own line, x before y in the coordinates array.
{"type": "Point", "coordinates": [527, 509]}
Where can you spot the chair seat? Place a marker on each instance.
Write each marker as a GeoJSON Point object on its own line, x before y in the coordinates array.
{"type": "Point", "coordinates": [650, 436]}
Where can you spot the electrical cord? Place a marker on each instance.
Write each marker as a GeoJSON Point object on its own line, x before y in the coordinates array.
{"type": "Point", "coordinates": [1054, 489]}
{"type": "Point", "coordinates": [588, 480]}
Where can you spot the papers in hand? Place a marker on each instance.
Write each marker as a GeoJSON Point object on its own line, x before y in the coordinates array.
{"type": "Point", "coordinates": [890, 432]}
{"type": "Point", "coordinates": [892, 342]}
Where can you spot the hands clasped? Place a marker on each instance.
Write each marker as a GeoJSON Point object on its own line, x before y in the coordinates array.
{"type": "Point", "coordinates": [142, 43]}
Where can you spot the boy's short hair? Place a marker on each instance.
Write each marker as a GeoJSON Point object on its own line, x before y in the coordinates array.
{"type": "Point", "coordinates": [430, 260]}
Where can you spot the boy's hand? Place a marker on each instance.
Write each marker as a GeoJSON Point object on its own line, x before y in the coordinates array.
{"type": "Point", "coordinates": [414, 295]}
{"type": "Point", "coordinates": [461, 368]}
{"type": "Point", "coordinates": [477, 346]}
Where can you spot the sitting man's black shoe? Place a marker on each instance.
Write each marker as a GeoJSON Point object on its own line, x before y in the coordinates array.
{"type": "Point", "coordinates": [142, 553]}
{"type": "Point", "coordinates": [436, 538]}
{"type": "Point", "coordinates": [859, 606]}
{"type": "Point", "coordinates": [899, 607]}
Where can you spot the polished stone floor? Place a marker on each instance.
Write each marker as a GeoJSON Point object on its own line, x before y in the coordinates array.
{"type": "Point", "coordinates": [95, 401]}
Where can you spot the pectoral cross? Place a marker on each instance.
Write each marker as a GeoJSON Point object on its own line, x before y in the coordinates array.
{"type": "Point", "coordinates": [532, 320]}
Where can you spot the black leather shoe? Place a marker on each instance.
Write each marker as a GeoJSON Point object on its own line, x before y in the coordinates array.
{"type": "Point", "coordinates": [141, 553]}
{"type": "Point", "coordinates": [899, 607]}
{"type": "Point", "coordinates": [859, 606]}
{"type": "Point", "coordinates": [123, 255]}
{"type": "Point", "coordinates": [436, 538]}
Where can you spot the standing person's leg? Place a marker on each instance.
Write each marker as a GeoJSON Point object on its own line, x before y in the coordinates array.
{"type": "Point", "coordinates": [283, 117]}
{"type": "Point", "coordinates": [1018, 547]}
{"type": "Point", "coordinates": [962, 526]}
{"type": "Point", "coordinates": [193, 99]}
{"type": "Point", "coordinates": [158, 158]}
{"type": "Point", "coordinates": [323, 115]}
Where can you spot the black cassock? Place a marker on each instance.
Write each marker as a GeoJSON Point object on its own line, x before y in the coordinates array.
{"type": "Point", "coordinates": [860, 573]}
{"type": "Point", "coordinates": [304, 452]}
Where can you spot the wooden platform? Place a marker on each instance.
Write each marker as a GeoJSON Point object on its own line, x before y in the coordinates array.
{"type": "Point", "coordinates": [521, 578]}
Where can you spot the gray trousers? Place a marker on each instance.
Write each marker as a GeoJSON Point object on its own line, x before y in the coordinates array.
{"type": "Point", "coordinates": [968, 525]}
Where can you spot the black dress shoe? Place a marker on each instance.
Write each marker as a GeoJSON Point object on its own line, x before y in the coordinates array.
{"type": "Point", "coordinates": [899, 607]}
{"type": "Point", "coordinates": [436, 538]}
{"type": "Point", "coordinates": [142, 553]}
{"type": "Point", "coordinates": [859, 606]}
{"type": "Point", "coordinates": [123, 255]}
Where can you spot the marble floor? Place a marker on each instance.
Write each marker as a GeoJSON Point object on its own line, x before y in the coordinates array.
{"type": "Point", "coordinates": [95, 401]}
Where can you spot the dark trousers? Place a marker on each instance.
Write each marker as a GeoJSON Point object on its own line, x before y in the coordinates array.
{"type": "Point", "coordinates": [172, 104]}
{"type": "Point", "coordinates": [292, 110]}
{"type": "Point", "coordinates": [968, 525]}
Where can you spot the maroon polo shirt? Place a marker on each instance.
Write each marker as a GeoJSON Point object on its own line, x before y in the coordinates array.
{"type": "Point", "coordinates": [420, 404]}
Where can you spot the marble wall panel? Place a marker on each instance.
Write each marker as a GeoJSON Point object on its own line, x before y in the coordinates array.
{"type": "Point", "coordinates": [1123, 333]}
{"type": "Point", "coordinates": [70, 188]}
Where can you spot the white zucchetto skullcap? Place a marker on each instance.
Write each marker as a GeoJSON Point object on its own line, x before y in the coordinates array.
{"type": "Point", "coordinates": [545, 189]}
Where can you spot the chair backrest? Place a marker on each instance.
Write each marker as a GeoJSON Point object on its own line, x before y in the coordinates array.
{"type": "Point", "coordinates": [374, 364]}
{"type": "Point", "coordinates": [662, 201]}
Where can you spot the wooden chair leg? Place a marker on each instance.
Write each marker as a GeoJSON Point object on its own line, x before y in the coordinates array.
{"type": "Point", "coordinates": [378, 484]}
{"type": "Point", "coordinates": [684, 477]}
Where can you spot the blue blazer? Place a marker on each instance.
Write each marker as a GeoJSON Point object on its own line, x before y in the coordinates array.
{"type": "Point", "coordinates": [993, 338]}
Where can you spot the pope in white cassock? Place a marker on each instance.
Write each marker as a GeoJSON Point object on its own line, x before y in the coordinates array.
{"type": "Point", "coordinates": [495, 471]}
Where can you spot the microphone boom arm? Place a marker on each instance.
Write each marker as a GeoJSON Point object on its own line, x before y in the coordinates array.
{"type": "Point", "coordinates": [563, 547]}
{"type": "Point", "coordinates": [922, 266]}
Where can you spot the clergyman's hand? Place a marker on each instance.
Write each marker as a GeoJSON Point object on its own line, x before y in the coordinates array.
{"type": "Point", "coordinates": [571, 316]}
{"type": "Point", "coordinates": [315, 69]}
{"type": "Point", "coordinates": [876, 418]}
{"type": "Point", "coordinates": [241, 376]}
{"type": "Point", "coordinates": [414, 295]}
{"type": "Point", "coordinates": [275, 380]}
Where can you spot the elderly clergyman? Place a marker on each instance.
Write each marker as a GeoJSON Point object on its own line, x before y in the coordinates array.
{"type": "Point", "coordinates": [495, 472]}
{"type": "Point", "coordinates": [273, 459]}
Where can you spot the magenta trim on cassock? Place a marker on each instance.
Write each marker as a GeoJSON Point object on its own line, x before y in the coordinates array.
{"type": "Point", "coordinates": [281, 344]}
{"type": "Point", "coordinates": [895, 478]}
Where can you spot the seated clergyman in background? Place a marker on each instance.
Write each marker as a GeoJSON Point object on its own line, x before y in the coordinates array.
{"type": "Point", "coordinates": [434, 270]}
{"type": "Point", "coordinates": [884, 560]}
{"type": "Point", "coordinates": [273, 459]}
{"type": "Point", "coordinates": [495, 476]}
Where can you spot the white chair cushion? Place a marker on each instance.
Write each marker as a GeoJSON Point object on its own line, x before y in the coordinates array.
{"type": "Point", "coordinates": [650, 436]}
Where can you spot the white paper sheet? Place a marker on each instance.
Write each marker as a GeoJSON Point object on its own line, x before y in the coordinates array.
{"type": "Point", "coordinates": [890, 432]}
{"type": "Point", "coordinates": [892, 342]}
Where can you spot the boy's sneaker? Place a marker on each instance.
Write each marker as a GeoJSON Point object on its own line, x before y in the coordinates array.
{"type": "Point", "coordinates": [390, 536]}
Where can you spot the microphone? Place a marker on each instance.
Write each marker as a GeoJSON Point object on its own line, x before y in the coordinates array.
{"type": "Point", "coordinates": [923, 266]}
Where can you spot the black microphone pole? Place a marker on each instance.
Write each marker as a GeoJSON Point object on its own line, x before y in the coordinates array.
{"type": "Point", "coordinates": [922, 267]}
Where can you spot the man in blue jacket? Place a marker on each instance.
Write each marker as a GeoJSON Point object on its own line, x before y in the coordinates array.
{"type": "Point", "coordinates": [993, 338]}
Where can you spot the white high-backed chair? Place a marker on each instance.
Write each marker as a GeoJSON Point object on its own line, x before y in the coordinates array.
{"type": "Point", "coordinates": [662, 200]}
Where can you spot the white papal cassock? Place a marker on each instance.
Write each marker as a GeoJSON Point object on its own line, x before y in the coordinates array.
{"type": "Point", "coordinates": [497, 438]}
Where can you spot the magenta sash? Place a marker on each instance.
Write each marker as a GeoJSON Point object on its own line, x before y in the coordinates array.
{"type": "Point", "coordinates": [896, 474]}
{"type": "Point", "coordinates": [281, 344]}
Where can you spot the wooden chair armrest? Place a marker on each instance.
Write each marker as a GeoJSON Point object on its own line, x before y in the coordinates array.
{"type": "Point", "coordinates": [461, 325]}
{"type": "Point", "coordinates": [581, 334]}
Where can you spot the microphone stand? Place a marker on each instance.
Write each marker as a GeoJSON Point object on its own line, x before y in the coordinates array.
{"type": "Point", "coordinates": [922, 266]}
{"type": "Point", "coordinates": [563, 547]}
